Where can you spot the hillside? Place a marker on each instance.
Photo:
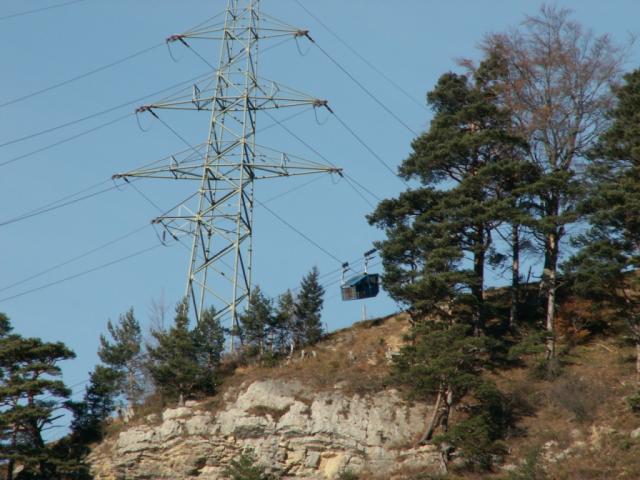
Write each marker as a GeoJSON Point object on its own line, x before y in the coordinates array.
{"type": "Point", "coordinates": [331, 411]}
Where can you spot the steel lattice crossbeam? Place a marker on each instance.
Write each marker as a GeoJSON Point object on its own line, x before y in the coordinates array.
{"type": "Point", "coordinates": [219, 216]}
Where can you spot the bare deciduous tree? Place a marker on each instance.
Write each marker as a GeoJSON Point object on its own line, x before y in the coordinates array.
{"type": "Point", "coordinates": [557, 83]}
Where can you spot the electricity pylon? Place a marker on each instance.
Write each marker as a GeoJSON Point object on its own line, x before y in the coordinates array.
{"type": "Point", "coordinates": [219, 215]}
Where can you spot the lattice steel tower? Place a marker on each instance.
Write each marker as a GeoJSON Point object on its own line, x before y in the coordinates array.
{"type": "Point", "coordinates": [219, 215]}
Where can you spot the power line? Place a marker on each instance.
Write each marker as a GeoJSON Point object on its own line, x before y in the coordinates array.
{"type": "Point", "coordinates": [67, 197]}
{"type": "Point", "coordinates": [81, 274]}
{"type": "Point", "coordinates": [201, 57]}
{"type": "Point", "coordinates": [62, 202]}
{"type": "Point", "coordinates": [94, 71]}
{"type": "Point", "coordinates": [311, 148]}
{"type": "Point", "coordinates": [366, 200]}
{"type": "Point", "coordinates": [363, 187]}
{"type": "Point", "coordinates": [361, 57]}
{"type": "Point", "coordinates": [368, 148]}
{"type": "Point", "coordinates": [111, 122]}
{"type": "Point", "coordinates": [65, 140]}
{"type": "Point", "coordinates": [289, 131]}
{"type": "Point", "coordinates": [50, 7]}
{"type": "Point", "coordinates": [307, 238]}
{"type": "Point", "coordinates": [263, 205]}
{"type": "Point", "coordinates": [287, 192]}
{"type": "Point", "coordinates": [94, 115]}
{"type": "Point", "coordinates": [81, 76]}
{"type": "Point", "coordinates": [56, 207]}
{"type": "Point", "coordinates": [76, 258]}
{"type": "Point", "coordinates": [364, 89]}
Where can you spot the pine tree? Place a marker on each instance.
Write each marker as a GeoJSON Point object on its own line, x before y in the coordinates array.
{"type": "Point", "coordinates": [173, 362]}
{"type": "Point", "coordinates": [208, 338]}
{"type": "Point", "coordinates": [602, 270]}
{"type": "Point", "coordinates": [443, 360]}
{"type": "Point", "coordinates": [123, 354]}
{"type": "Point", "coordinates": [283, 332]}
{"type": "Point", "coordinates": [308, 308]}
{"type": "Point", "coordinates": [256, 320]}
{"type": "Point", "coordinates": [439, 235]}
{"type": "Point", "coordinates": [96, 406]}
{"type": "Point", "coordinates": [89, 416]}
{"type": "Point", "coordinates": [30, 397]}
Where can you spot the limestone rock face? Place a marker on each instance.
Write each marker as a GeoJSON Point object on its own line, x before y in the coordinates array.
{"type": "Point", "coordinates": [292, 430]}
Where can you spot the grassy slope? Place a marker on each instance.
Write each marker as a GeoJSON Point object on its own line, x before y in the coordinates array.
{"type": "Point", "coordinates": [579, 420]}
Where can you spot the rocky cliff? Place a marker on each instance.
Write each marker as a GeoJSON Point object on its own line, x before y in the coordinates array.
{"type": "Point", "coordinates": [304, 420]}
{"type": "Point", "coordinates": [292, 429]}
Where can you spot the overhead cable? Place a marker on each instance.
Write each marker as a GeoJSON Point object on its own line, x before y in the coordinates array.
{"type": "Point", "coordinates": [363, 187]}
{"type": "Point", "coordinates": [368, 148]}
{"type": "Point", "coordinates": [42, 9]}
{"type": "Point", "coordinates": [111, 122]}
{"type": "Point", "coordinates": [311, 148]}
{"type": "Point", "coordinates": [366, 200]}
{"type": "Point", "coordinates": [361, 57]}
{"type": "Point", "coordinates": [81, 274]}
{"type": "Point", "coordinates": [363, 88]}
{"type": "Point", "coordinates": [66, 140]}
{"type": "Point", "coordinates": [95, 114]}
{"type": "Point", "coordinates": [77, 257]}
{"type": "Point", "coordinates": [257, 201]}
{"type": "Point", "coordinates": [56, 206]}
{"type": "Point", "coordinates": [66, 200]}
{"type": "Point", "coordinates": [306, 237]}
{"type": "Point", "coordinates": [81, 76]}
{"type": "Point", "coordinates": [93, 71]}
{"type": "Point", "coordinates": [281, 124]}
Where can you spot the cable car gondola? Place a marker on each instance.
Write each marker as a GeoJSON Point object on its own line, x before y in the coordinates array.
{"type": "Point", "coordinates": [363, 285]}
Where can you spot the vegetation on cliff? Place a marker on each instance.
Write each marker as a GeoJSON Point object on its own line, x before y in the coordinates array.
{"type": "Point", "coordinates": [541, 139]}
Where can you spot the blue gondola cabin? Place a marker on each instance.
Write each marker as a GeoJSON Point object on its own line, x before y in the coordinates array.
{"type": "Point", "coordinates": [364, 285]}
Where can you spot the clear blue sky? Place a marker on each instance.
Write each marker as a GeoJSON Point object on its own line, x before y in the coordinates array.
{"type": "Point", "coordinates": [412, 41]}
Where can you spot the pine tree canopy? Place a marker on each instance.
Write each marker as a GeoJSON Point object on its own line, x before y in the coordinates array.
{"type": "Point", "coordinates": [256, 319]}
{"type": "Point", "coordinates": [283, 329]}
{"type": "Point", "coordinates": [208, 338]}
{"type": "Point", "coordinates": [123, 353]}
{"type": "Point", "coordinates": [473, 176]}
{"type": "Point", "coordinates": [173, 361]}
{"type": "Point", "coordinates": [126, 341]}
{"type": "Point", "coordinates": [610, 250]}
{"type": "Point", "coordinates": [31, 397]}
{"type": "Point", "coordinates": [184, 362]}
{"type": "Point", "coordinates": [441, 357]}
{"type": "Point", "coordinates": [308, 308]}
{"type": "Point", "coordinates": [97, 405]}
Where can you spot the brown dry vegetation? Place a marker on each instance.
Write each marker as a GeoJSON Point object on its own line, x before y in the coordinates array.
{"type": "Point", "coordinates": [580, 420]}
{"type": "Point", "coordinates": [354, 358]}
{"type": "Point", "coordinates": [581, 417]}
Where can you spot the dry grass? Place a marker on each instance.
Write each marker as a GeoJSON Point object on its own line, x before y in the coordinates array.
{"type": "Point", "coordinates": [583, 411]}
{"type": "Point", "coordinates": [354, 359]}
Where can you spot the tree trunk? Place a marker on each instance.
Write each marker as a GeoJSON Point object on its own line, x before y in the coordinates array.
{"type": "Point", "coordinates": [515, 276]}
{"type": "Point", "coordinates": [638, 361]}
{"type": "Point", "coordinates": [448, 403]}
{"type": "Point", "coordinates": [433, 423]}
{"type": "Point", "coordinates": [477, 289]}
{"type": "Point", "coordinates": [550, 277]}
{"type": "Point", "coordinates": [14, 444]}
